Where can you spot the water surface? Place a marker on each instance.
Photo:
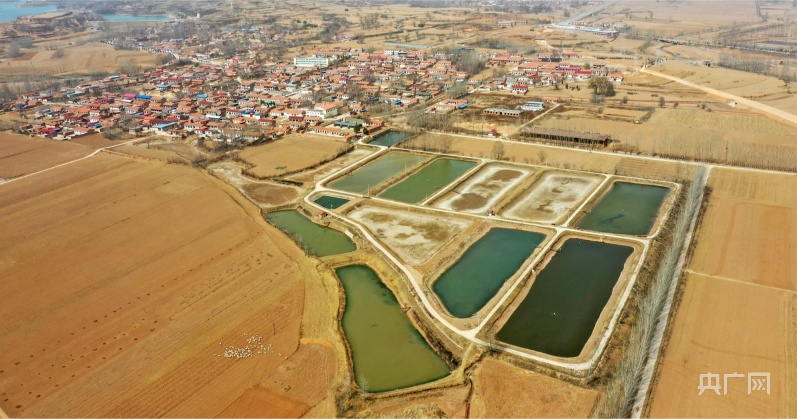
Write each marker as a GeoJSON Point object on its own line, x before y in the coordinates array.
{"type": "Point", "coordinates": [11, 10]}
{"type": "Point", "coordinates": [375, 172]}
{"type": "Point", "coordinates": [628, 208]}
{"type": "Point", "coordinates": [560, 311]}
{"type": "Point", "coordinates": [315, 239]}
{"type": "Point", "coordinates": [387, 351]}
{"type": "Point", "coordinates": [428, 181]}
{"type": "Point", "coordinates": [481, 271]}
{"type": "Point", "coordinates": [330, 202]}
{"type": "Point", "coordinates": [391, 138]}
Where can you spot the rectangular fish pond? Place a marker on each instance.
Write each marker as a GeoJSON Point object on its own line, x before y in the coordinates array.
{"type": "Point", "coordinates": [373, 173]}
{"type": "Point", "coordinates": [628, 208]}
{"type": "Point", "coordinates": [330, 202]}
{"type": "Point", "coordinates": [559, 314]}
{"type": "Point", "coordinates": [387, 351]}
{"type": "Point", "coordinates": [428, 181]}
{"type": "Point", "coordinates": [315, 239]}
{"type": "Point", "coordinates": [391, 138]}
{"type": "Point", "coordinates": [481, 271]}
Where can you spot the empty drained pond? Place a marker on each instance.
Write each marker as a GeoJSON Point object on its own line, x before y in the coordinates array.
{"type": "Point", "coordinates": [628, 208]}
{"type": "Point", "coordinates": [481, 271]}
{"type": "Point", "coordinates": [315, 239]}
{"type": "Point", "coordinates": [479, 194]}
{"type": "Point", "coordinates": [553, 197]}
{"type": "Point", "coordinates": [387, 351]}
{"type": "Point", "coordinates": [372, 174]}
{"type": "Point", "coordinates": [560, 311]}
{"type": "Point", "coordinates": [428, 181]}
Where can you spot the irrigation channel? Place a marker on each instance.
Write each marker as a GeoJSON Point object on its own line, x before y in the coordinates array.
{"type": "Point", "coordinates": [387, 351]}
{"type": "Point", "coordinates": [428, 181]}
{"type": "Point", "coordinates": [313, 238]}
{"type": "Point", "coordinates": [364, 179]}
{"type": "Point", "coordinates": [483, 269]}
{"type": "Point", "coordinates": [628, 208]}
{"type": "Point", "coordinates": [559, 313]}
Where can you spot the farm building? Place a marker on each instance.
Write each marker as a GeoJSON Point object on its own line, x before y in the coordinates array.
{"type": "Point", "coordinates": [502, 112]}
{"type": "Point", "coordinates": [566, 135]}
{"type": "Point", "coordinates": [533, 106]}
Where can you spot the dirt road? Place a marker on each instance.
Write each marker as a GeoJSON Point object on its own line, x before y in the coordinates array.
{"type": "Point", "coordinates": [769, 110]}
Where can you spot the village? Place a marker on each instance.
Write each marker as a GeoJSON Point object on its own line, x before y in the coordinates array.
{"type": "Point", "coordinates": [397, 208]}
{"type": "Point", "coordinates": [337, 93]}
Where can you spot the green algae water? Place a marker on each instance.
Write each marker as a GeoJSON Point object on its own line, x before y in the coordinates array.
{"type": "Point", "coordinates": [628, 208]}
{"type": "Point", "coordinates": [315, 239]}
{"type": "Point", "coordinates": [391, 138]}
{"type": "Point", "coordinates": [330, 202]}
{"type": "Point", "coordinates": [427, 181]}
{"type": "Point", "coordinates": [372, 174]}
{"type": "Point", "coordinates": [481, 271]}
{"type": "Point", "coordinates": [560, 311]}
{"type": "Point", "coordinates": [387, 351]}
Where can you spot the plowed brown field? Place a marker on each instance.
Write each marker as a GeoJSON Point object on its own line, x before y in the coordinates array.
{"type": "Point", "coordinates": [739, 308]}
{"type": "Point", "coordinates": [291, 153]}
{"type": "Point", "coordinates": [503, 390]}
{"type": "Point", "coordinates": [20, 154]}
{"type": "Point", "coordinates": [122, 282]}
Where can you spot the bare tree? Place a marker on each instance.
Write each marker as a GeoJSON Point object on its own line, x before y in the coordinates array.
{"type": "Point", "coordinates": [457, 90]}
{"type": "Point", "coordinates": [128, 66]}
{"type": "Point", "coordinates": [498, 150]}
{"type": "Point", "coordinates": [13, 50]}
{"type": "Point", "coordinates": [601, 85]}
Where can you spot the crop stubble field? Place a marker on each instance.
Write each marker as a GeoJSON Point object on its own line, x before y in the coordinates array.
{"type": "Point", "coordinates": [76, 59]}
{"type": "Point", "coordinates": [20, 155]}
{"type": "Point", "coordinates": [290, 153]}
{"type": "Point", "coordinates": [738, 313]}
{"type": "Point", "coordinates": [122, 280]}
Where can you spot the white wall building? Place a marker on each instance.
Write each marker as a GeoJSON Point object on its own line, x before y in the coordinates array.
{"type": "Point", "coordinates": [311, 61]}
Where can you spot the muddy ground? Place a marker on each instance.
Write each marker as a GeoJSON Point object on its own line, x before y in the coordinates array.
{"type": "Point", "coordinates": [480, 193]}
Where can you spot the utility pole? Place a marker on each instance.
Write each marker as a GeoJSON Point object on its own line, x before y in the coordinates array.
{"type": "Point", "coordinates": [453, 36]}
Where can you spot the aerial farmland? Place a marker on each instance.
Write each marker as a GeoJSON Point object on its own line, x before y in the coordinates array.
{"type": "Point", "coordinates": [398, 209]}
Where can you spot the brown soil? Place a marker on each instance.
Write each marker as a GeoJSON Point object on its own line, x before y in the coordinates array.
{"type": "Point", "coordinates": [271, 194]}
{"type": "Point", "coordinates": [94, 141]}
{"type": "Point", "coordinates": [77, 59]}
{"type": "Point", "coordinates": [185, 151]}
{"type": "Point", "coordinates": [309, 176]}
{"type": "Point", "coordinates": [502, 390]}
{"type": "Point", "coordinates": [123, 282]}
{"type": "Point", "coordinates": [738, 313]}
{"type": "Point", "coordinates": [149, 153]}
{"type": "Point", "coordinates": [289, 154]}
{"type": "Point", "coordinates": [20, 155]}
